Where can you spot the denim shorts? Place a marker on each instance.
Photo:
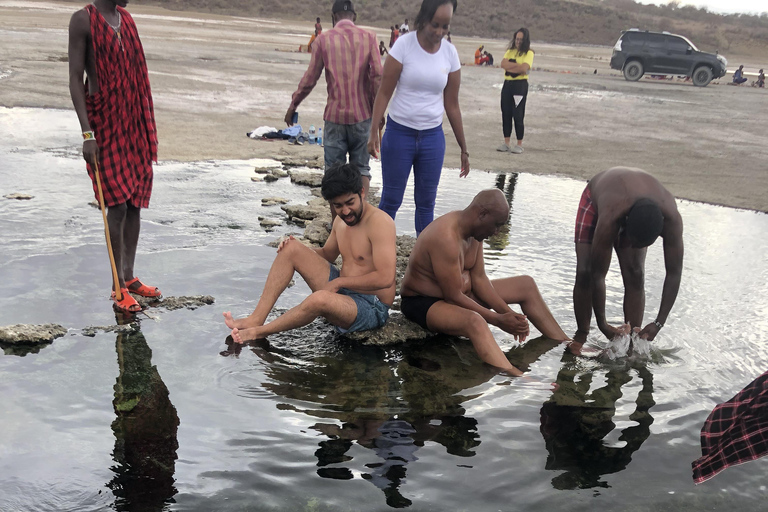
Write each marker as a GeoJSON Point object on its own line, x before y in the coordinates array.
{"type": "Point", "coordinates": [371, 312]}
{"type": "Point", "coordinates": [340, 139]}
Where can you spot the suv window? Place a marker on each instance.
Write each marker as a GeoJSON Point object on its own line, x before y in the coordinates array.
{"type": "Point", "coordinates": [655, 40]}
{"type": "Point", "coordinates": [629, 37]}
{"type": "Point", "coordinates": [677, 45]}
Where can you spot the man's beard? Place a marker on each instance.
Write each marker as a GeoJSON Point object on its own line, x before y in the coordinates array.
{"type": "Point", "coordinates": [354, 218]}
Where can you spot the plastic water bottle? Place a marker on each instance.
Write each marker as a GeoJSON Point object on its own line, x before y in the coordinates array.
{"type": "Point", "coordinates": [312, 136]}
{"type": "Point", "coordinates": [319, 136]}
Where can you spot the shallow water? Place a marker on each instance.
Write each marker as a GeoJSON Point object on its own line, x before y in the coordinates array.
{"type": "Point", "coordinates": [173, 418]}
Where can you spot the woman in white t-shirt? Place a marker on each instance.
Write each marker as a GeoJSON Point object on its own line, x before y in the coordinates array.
{"type": "Point", "coordinates": [424, 73]}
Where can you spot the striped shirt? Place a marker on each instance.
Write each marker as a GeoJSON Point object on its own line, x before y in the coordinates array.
{"type": "Point", "coordinates": [350, 56]}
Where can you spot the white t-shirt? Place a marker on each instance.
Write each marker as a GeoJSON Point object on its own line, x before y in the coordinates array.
{"type": "Point", "coordinates": [418, 99]}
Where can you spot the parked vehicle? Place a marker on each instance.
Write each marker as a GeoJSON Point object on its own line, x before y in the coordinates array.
{"type": "Point", "coordinates": [661, 53]}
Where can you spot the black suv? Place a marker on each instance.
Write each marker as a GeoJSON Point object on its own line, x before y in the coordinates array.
{"type": "Point", "coordinates": [662, 53]}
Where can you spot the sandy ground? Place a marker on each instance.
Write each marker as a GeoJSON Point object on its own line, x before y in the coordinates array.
{"type": "Point", "coordinates": [215, 77]}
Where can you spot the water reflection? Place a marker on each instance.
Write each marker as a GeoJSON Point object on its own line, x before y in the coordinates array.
{"type": "Point", "coordinates": [500, 240]}
{"type": "Point", "coordinates": [391, 401]}
{"type": "Point", "coordinates": [575, 422]}
{"type": "Point", "coordinates": [145, 430]}
{"type": "Point", "coordinates": [22, 349]}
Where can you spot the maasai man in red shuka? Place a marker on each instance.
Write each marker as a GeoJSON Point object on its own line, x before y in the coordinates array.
{"type": "Point", "coordinates": [116, 115]}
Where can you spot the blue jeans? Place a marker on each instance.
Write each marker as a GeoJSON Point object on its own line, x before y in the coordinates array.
{"type": "Point", "coordinates": [401, 149]}
{"type": "Point", "coordinates": [340, 139]}
{"type": "Point", "coordinates": [371, 312]}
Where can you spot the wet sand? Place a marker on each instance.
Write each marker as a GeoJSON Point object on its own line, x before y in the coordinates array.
{"type": "Point", "coordinates": [216, 77]}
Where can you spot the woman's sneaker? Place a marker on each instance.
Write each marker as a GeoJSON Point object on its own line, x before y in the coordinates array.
{"type": "Point", "coordinates": [503, 148]}
{"type": "Point", "coordinates": [516, 149]}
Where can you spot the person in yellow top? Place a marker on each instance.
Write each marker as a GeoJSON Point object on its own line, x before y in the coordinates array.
{"type": "Point", "coordinates": [517, 62]}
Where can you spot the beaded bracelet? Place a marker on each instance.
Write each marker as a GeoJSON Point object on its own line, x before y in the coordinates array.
{"type": "Point", "coordinates": [89, 135]}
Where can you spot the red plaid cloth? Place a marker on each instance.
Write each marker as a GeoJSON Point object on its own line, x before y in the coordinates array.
{"type": "Point", "coordinates": [121, 113]}
{"type": "Point", "coordinates": [586, 219]}
{"type": "Point", "coordinates": [735, 432]}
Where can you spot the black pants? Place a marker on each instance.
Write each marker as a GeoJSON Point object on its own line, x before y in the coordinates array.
{"type": "Point", "coordinates": [510, 111]}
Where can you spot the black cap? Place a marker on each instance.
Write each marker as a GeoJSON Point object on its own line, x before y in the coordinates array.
{"type": "Point", "coordinates": [343, 6]}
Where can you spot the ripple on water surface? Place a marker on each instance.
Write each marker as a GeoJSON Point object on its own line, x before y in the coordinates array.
{"type": "Point", "coordinates": [311, 421]}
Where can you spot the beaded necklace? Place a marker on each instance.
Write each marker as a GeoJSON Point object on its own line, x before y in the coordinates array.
{"type": "Point", "coordinates": [117, 29]}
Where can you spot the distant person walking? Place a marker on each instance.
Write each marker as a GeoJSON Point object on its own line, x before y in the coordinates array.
{"type": "Point", "coordinates": [391, 36]}
{"type": "Point", "coordinates": [350, 56]}
{"type": "Point", "coordinates": [404, 28]}
{"type": "Point", "coordinates": [517, 63]}
{"type": "Point", "coordinates": [424, 73]}
{"type": "Point", "coordinates": [318, 27]}
{"type": "Point", "coordinates": [117, 119]}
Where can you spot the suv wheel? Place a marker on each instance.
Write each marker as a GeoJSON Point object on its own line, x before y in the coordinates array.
{"type": "Point", "coordinates": [633, 70]}
{"type": "Point", "coordinates": [702, 75]}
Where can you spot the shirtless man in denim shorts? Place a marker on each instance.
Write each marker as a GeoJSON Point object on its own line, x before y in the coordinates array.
{"type": "Point", "coordinates": [355, 298]}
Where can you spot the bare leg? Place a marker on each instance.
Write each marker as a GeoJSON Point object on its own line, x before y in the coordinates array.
{"type": "Point", "coordinates": [523, 290]}
{"type": "Point", "coordinates": [339, 309]}
{"type": "Point", "coordinates": [293, 257]}
{"type": "Point", "coordinates": [116, 220]}
{"type": "Point", "coordinates": [632, 263]}
{"type": "Point", "coordinates": [582, 289]}
{"type": "Point", "coordinates": [457, 321]}
{"type": "Point", "coordinates": [131, 230]}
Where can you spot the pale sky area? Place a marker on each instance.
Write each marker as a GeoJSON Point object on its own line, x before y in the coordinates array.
{"type": "Point", "coordinates": [721, 6]}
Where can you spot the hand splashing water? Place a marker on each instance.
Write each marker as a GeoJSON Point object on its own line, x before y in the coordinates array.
{"type": "Point", "coordinates": [630, 346]}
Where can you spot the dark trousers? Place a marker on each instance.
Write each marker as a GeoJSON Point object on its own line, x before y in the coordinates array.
{"type": "Point", "coordinates": [510, 111]}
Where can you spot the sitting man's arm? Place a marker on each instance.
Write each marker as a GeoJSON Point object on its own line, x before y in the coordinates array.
{"type": "Point", "coordinates": [330, 250]}
{"type": "Point", "coordinates": [482, 288]}
{"type": "Point", "coordinates": [381, 232]}
{"type": "Point", "coordinates": [673, 262]}
{"type": "Point", "coordinates": [445, 256]}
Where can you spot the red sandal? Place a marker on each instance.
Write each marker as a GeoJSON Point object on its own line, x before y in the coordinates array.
{"type": "Point", "coordinates": [127, 304]}
{"type": "Point", "coordinates": [142, 289]}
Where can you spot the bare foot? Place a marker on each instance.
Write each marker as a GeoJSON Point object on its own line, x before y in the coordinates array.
{"type": "Point", "coordinates": [246, 334]}
{"type": "Point", "coordinates": [229, 320]}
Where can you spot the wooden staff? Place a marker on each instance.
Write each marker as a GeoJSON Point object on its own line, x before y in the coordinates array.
{"type": "Point", "coordinates": [118, 291]}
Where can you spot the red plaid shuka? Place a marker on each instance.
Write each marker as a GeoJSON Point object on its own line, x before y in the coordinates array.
{"type": "Point", "coordinates": [735, 432]}
{"type": "Point", "coordinates": [586, 219]}
{"type": "Point", "coordinates": [121, 113]}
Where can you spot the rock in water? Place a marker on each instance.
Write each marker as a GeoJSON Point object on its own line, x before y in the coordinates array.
{"type": "Point", "coordinates": [31, 334]}
{"type": "Point", "coordinates": [398, 329]}
{"type": "Point", "coordinates": [19, 196]}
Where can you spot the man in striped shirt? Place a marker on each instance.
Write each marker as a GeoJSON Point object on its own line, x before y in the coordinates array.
{"type": "Point", "coordinates": [350, 56]}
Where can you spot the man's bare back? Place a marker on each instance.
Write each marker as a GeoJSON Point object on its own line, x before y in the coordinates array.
{"type": "Point", "coordinates": [615, 191]}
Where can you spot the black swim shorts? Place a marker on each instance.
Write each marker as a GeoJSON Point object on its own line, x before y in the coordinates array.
{"type": "Point", "coordinates": [415, 308]}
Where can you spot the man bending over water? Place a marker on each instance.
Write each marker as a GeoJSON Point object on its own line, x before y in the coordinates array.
{"type": "Point", "coordinates": [358, 297]}
{"type": "Point", "coordinates": [446, 290]}
{"type": "Point", "coordinates": [624, 209]}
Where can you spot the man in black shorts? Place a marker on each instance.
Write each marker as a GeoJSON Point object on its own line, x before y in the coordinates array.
{"type": "Point", "coordinates": [446, 290]}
